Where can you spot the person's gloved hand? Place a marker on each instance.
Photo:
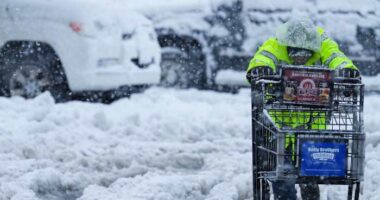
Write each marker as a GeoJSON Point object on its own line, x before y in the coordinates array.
{"type": "Point", "coordinates": [347, 73]}
{"type": "Point", "coordinates": [261, 71]}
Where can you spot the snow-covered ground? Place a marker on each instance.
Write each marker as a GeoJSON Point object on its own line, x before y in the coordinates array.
{"type": "Point", "coordinates": [163, 144]}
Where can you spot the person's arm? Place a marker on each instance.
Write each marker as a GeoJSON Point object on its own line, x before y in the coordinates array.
{"type": "Point", "coordinates": [332, 56]}
{"type": "Point", "coordinates": [264, 57]}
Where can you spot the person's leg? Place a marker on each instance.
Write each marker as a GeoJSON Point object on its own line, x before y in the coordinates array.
{"type": "Point", "coordinates": [284, 190]}
{"type": "Point", "coordinates": [309, 191]}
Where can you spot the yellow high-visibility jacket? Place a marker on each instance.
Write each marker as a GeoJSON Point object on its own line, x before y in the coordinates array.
{"type": "Point", "coordinates": [271, 53]}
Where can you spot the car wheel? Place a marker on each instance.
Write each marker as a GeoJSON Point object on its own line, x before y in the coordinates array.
{"type": "Point", "coordinates": [29, 75]}
{"type": "Point", "coordinates": [28, 81]}
{"type": "Point", "coordinates": [181, 69]}
{"type": "Point", "coordinates": [173, 66]}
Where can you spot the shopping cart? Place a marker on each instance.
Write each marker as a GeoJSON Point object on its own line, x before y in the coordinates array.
{"type": "Point", "coordinates": [308, 127]}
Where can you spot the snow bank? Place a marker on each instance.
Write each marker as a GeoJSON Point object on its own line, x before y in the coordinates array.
{"type": "Point", "coordinates": [231, 77]}
{"type": "Point", "coordinates": [162, 144]}
{"type": "Point", "coordinates": [178, 140]}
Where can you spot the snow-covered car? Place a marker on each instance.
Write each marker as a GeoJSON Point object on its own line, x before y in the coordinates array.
{"type": "Point", "coordinates": [192, 35]}
{"type": "Point", "coordinates": [210, 42]}
{"type": "Point", "coordinates": [74, 46]}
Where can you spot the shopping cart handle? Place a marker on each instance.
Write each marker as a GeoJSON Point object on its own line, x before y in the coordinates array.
{"type": "Point", "coordinates": [267, 79]}
{"type": "Point", "coordinates": [357, 80]}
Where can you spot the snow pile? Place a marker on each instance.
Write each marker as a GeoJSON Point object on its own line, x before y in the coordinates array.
{"type": "Point", "coordinates": [231, 77]}
{"type": "Point", "coordinates": [162, 144]}
{"type": "Point", "coordinates": [173, 143]}
{"type": "Point", "coordinates": [371, 83]}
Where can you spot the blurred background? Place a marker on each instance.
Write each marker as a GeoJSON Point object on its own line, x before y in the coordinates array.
{"type": "Point", "coordinates": [217, 38]}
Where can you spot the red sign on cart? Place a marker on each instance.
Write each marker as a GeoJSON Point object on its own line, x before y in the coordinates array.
{"type": "Point", "coordinates": [311, 86]}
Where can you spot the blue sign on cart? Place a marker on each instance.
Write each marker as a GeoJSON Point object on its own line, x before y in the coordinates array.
{"type": "Point", "coordinates": [323, 159]}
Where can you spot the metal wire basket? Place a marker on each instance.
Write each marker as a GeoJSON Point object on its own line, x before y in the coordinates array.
{"type": "Point", "coordinates": [307, 126]}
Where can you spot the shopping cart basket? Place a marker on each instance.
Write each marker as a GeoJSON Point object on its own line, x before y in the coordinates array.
{"type": "Point", "coordinates": [307, 125]}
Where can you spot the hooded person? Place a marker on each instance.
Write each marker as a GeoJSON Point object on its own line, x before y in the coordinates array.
{"type": "Point", "coordinates": [299, 42]}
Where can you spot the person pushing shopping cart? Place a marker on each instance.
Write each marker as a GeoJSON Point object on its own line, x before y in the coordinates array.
{"type": "Point", "coordinates": [307, 104]}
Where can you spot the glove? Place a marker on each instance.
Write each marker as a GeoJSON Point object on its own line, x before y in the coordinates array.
{"type": "Point", "coordinates": [348, 73]}
{"type": "Point", "coordinates": [259, 72]}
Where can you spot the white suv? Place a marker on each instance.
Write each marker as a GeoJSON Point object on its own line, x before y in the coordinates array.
{"type": "Point", "coordinates": [74, 46]}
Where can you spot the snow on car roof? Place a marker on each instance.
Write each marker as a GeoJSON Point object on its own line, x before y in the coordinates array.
{"type": "Point", "coordinates": [339, 18]}
{"type": "Point", "coordinates": [336, 5]}
{"type": "Point", "coordinates": [151, 6]}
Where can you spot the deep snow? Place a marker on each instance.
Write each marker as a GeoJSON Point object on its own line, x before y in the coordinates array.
{"type": "Point", "coordinates": [162, 144]}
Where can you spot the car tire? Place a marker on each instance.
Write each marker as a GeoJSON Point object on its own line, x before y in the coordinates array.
{"type": "Point", "coordinates": [28, 72]}
{"type": "Point", "coordinates": [182, 69]}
